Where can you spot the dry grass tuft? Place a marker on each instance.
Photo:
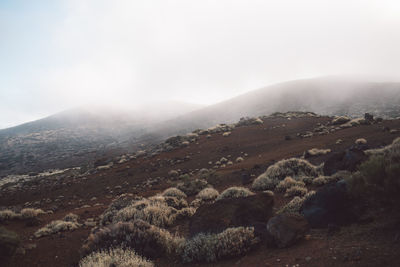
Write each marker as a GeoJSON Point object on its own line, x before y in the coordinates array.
{"type": "Point", "coordinates": [287, 183]}
{"type": "Point", "coordinates": [294, 167]}
{"type": "Point", "coordinates": [207, 194]}
{"type": "Point", "coordinates": [174, 192]}
{"type": "Point", "coordinates": [211, 247]}
{"type": "Point", "coordinates": [296, 191]}
{"type": "Point", "coordinates": [235, 192]}
{"type": "Point", "coordinates": [116, 257]}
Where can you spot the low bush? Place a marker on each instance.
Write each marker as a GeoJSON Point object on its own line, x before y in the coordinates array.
{"type": "Point", "coordinates": [211, 247]}
{"type": "Point", "coordinates": [116, 257]}
{"type": "Point", "coordinates": [295, 204]}
{"type": "Point", "coordinates": [148, 240]}
{"type": "Point", "coordinates": [296, 191]}
{"type": "Point", "coordinates": [55, 227]}
{"type": "Point", "coordinates": [174, 192]}
{"type": "Point", "coordinates": [235, 192]}
{"type": "Point", "coordinates": [318, 152]}
{"type": "Point", "coordinates": [294, 167]}
{"type": "Point", "coordinates": [207, 194]}
{"type": "Point", "coordinates": [287, 183]}
{"type": "Point", "coordinates": [192, 187]}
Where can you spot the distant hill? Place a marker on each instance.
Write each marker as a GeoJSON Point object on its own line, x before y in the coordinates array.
{"type": "Point", "coordinates": [79, 136]}
{"type": "Point", "coordinates": [325, 96]}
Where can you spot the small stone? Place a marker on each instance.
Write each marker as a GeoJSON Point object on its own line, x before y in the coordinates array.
{"type": "Point", "coordinates": [308, 258]}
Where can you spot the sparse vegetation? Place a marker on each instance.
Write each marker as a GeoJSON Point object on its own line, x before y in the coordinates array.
{"type": "Point", "coordinates": [154, 210]}
{"type": "Point", "coordinates": [174, 192]}
{"type": "Point", "coordinates": [139, 235]}
{"type": "Point", "coordinates": [294, 167]}
{"type": "Point", "coordinates": [379, 175]}
{"type": "Point", "coordinates": [26, 213]}
{"type": "Point", "coordinates": [8, 214]}
{"type": "Point", "coordinates": [295, 204]}
{"type": "Point", "coordinates": [211, 247]}
{"type": "Point", "coordinates": [239, 159]}
{"type": "Point", "coordinates": [360, 141]}
{"type": "Point", "coordinates": [192, 186]}
{"type": "Point", "coordinates": [235, 192]}
{"type": "Point", "coordinates": [117, 257]}
{"type": "Point", "coordinates": [207, 194]}
{"type": "Point", "coordinates": [57, 226]}
{"type": "Point", "coordinates": [318, 152]}
{"type": "Point", "coordinates": [296, 191]}
{"type": "Point", "coordinates": [287, 183]}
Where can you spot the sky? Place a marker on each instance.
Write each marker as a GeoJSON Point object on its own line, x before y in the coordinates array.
{"type": "Point", "coordinates": [56, 55]}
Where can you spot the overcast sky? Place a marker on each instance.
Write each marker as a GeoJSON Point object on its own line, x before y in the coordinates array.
{"type": "Point", "coordinates": [56, 55]}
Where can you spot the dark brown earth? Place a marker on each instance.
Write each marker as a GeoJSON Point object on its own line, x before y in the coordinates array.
{"type": "Point", "coordinates": [374, 243]}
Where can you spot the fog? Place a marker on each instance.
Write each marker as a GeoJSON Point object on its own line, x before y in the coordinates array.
{"type": "Point", "coordinates": [56, 55]}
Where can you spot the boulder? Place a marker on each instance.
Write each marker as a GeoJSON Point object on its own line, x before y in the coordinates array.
{"type": "Point", "coordinates": [330, 205]}
{"type": "Point", "coordinates": [9, 242]}
{"type": "Point", "coordinates": [232, 212]}
{"type": "Point", "coordinates": [369, 118]}
{"type": "Point", "coordinates": [346, 160]}
{"type": "Point", "coordinates": [287, 228]}
{"type": "Point", "coordinates": [340, 120]}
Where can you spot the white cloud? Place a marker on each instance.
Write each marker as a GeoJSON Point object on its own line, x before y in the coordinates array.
{"type": "Point", "coordinates": [205, 51]}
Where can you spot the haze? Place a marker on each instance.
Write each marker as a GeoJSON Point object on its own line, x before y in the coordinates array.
{"type": "Point", "coordinates": [55, 55]}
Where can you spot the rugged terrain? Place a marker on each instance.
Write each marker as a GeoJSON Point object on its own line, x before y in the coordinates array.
{"type": "Point", "coordinates": [81, 137]}
{"type": "Point", "coordinates": [87, 193]}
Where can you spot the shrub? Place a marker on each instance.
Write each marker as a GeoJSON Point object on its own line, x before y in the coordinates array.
{"type": "Point", "coordinates": [119, 203]}
{"type": "Point", "coordinates": [207, 194]}
{"type": "Point", "coordinates": [296, 191]}
{"type": "Point", "coordinates": [318, 152]}
{"type": "Point", "coordinates": [235, 192]}
{"type": "Point", "coordinates": [8, 215]}
{"type": "Point", "coordinates": [139, 235]}
{"type": "Point", "coordinates": [117, 257]}
{"type": "Point", "coordinates": [192, 187]}
{"type": "Point", "coordinates": [239, 159]}
{"type": "Point", "coordinates": [55, 227]}
{"type": "Point", "coordinates": [70, 217]}
{"type": "Point", "coordinates": [226, 134]}
{"type": "Point", "coordinates": [31, 213]}
{"type": "Point", "coordinates": [379, 175]}
{"type": "Point", "coordinates": [287, 183]}
{"type": "Point", "coordinates": [211, 247]}
{"type": "Point", "coordinates": [154, 211]}
{"type": "Point", "coordinates": [360, 141]}
{"type": "Point", "coordinates": [174, 192]}
{"type": "Point", "coordinates": [295, 204]}
{"type": "Point", "coordinates": [295, 168]}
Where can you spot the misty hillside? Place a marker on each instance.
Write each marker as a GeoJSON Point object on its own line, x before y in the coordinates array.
{"type": "Point", "coordinates": [325, 96]}
{"type": "Point", "coordinates": [77, 136]}
{"type": "Point", "coordinates": [80, 136]}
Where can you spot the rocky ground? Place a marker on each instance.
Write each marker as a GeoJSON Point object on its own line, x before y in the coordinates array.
{"type": "Point", "coordinates": [235, 155]}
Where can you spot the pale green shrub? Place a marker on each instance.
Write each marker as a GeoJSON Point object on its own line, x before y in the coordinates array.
{"type": "Point", "coordinates": [207, 194]}
{"type": "Point", "coordinates": [55, 227]}
{"type": "Point", "coordinates": [294, 167]}
{"type": "Point", "coordinates": [296, 191]}
{"type": "Point", "coordinates": [211, 247]}
{"type": "Point", "coordinates": [235, 192]}
{"type": "Point", "coordinates": [174, 192]}
{"type": "Point", "coordinates": [116, 257]}
{"type": "Point", "coordinates": [287, 183]}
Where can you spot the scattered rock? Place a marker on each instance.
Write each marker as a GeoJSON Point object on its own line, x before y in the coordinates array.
{"type": "Point", "coordinates": [330, 205]}
{"type": "Point", "coordinates": [287, 228]}
{"type": "Point", "coordinates": [9, 242]}
{"type": "Point", "coordinates": [232, 212]}
{"type": "Point", "coordinates": [346, 160]}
